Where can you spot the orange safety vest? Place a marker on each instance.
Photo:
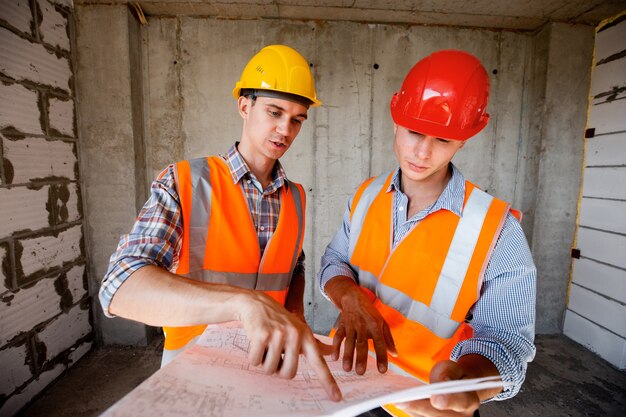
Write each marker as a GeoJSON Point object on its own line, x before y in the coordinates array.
{"type": "Point", "coordinates": [220, 243]}
{"type": "Point", "coordinates": [426, 285]}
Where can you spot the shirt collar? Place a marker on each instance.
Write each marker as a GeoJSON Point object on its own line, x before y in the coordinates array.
{"type": "Point", "coordinates": [239, 169]}
{"type": "Point", "coordinates": [450, 199]}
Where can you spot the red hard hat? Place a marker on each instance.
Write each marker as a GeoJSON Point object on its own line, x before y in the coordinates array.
{"type": "Point", "coordinates": [444, 95]}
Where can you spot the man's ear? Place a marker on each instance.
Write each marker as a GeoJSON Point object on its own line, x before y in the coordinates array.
{"type": "Point", "coordinates": [243, 105]}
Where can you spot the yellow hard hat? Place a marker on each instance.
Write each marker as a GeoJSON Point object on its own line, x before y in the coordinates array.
{"type": "Point", "coordinates": [281, 69]}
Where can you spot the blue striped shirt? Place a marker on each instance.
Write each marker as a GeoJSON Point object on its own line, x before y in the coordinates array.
{"type": "Point", "coordinates": [503, 318]}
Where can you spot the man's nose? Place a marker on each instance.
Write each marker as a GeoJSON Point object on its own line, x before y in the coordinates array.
{"type": "Point", "coordinates": [424, 147]}
{"type": "Point", "coordinates": [283, 127]}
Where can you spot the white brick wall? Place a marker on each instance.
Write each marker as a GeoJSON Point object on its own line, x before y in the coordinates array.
{"type": "Point", "coordinates": [20, 399]}
{"type": "Point", "coordinates": [15, 371]}
{"type": "Point", "coordinates": [79, 352]}
{"type": "Point", "coordinates": [39, 198]}
{"type": "Point", "coordinates": [53, 27]}
{"type": "Point", "coordinates": [22, 209]}
{"type": "Point", "coordinates": [17, 14]}
{"type": "Point", "coordinates": [3, 277]}
{"type": "Point", "coordinates": [64, 331]}
{"type": "Point", "coordinates": [65, 3]}
{"type": "Point", "coordinates": [46, 252]}
{"type": "Point", "coordinates": [21, 59]}
{"type": "Point", "coordinates": [72, 204]}
{"type": "Point", "coordinates": [75, 283]}
{"type": "Point", "coordinates": [36, 158]}
{"type": "Point", "coordinates": [27, 308]}
{"type": "Point", "coordinates": [18, 108]}
{"type": "Point", "coordinates": [61, 116]}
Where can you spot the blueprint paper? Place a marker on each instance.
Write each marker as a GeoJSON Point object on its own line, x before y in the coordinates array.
{"type": "Point", "coordinates": [214, 379]}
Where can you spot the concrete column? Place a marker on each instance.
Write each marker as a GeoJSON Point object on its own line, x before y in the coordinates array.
{"type": "Point", "coordinates": [563, 53]}
{"type": "Point", "coordinates": [111, 153]}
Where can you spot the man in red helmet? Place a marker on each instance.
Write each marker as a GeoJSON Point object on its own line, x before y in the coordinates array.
{"type": "Point", "coordinates": [426, 267]}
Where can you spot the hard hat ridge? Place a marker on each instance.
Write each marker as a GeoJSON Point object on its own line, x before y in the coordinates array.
{"type": "Point", "coordinates": [444, 95]}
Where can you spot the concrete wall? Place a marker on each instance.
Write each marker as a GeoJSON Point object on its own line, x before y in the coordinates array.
{"type": "Point", "coordinates": [596, 311]}
{"type": "Point", "coordinates": [44, 302]}
{"type": "Point", "coordinates": [556, 136]}
{"type": "Point", "coordinates": [191, 64]}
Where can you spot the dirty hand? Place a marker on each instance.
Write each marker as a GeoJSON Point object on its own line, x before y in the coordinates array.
{"type": "Point", "coordinates": [444, 405]}
{"type": "Point", "coordinates": [360, 321]}
{"type": "Point", "coordinates": [278, 337]}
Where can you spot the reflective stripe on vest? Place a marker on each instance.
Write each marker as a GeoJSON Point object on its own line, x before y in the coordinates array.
{"type": "Point", "coordinates": [220, 244]}
{"type": "Point", "coordinates": [425, 286]}
{"type": "Point", "coordinates": [435, 317]}
{"type": "Point", "coordinates": [357, 215]}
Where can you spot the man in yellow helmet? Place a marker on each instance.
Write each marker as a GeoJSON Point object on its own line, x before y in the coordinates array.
{"type": "Point", "coordinates": [220, 238]}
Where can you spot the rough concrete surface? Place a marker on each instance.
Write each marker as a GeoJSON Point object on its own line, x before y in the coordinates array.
{"type": "Point", "coordinates": [189, 65]}
{"type": "Point", "coordinates": [565, 380]}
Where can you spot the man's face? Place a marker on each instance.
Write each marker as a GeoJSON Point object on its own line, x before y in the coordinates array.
{"type": "Point", "coordinates": [270, 125]}
{"type": "Point", "coordinates": [423, 158]}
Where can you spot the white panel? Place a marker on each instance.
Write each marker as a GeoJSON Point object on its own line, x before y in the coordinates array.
{"type": "Point", "coordinates": [609, 77]}
{"type": "Point", "coordinates": [64, 331]}
{"type": "Point", "coordinates": [18, 108]}
{"type": "Point", "coordinates": [17, 14]}
{"type": "Point", "coordinates": [66, 3]}
{"type": "Point", "coordinates": [3, 278]}
{"type": "Point", "coordinates": [23, 60]}
{"type": "Point", "coordinates": [605, 247]}
{"type": "Point", "coordinates": [605, 312]}
{"type": "Point", "coordinates": [53, 27]}
{"type": "Point", "coordinates": [72, 203]}
{"type": "Point", "coordinates": [49, 251]}
{"type": "Point", "coordinates": [607, 345]}
{"type": "Point", "coordinates": [606, 150]}
{"type": "Point", "coordinates": [75, 282]}
{"type": "Point", "coordinates": [605, 182]}
{"type": "Point", "coordinates": [23, 209]}
{"type": "Point", "coordinates": [37, 158]}
{"type": "Point", "coordinates": [79, 353]}
{"type": "Point", "coordinates": [16, 402]}
{"type": "Point", "coordinates": [610, 41]}
{"type": "Point", "coordinates": [61, 116]}
{"type": "Point", "coordinates": [601, 278]}
{"type": "Point", "coordinates": [607, 117]}
{"type": "Point", "coordinates": [27, 308]}
{"type": "Point", "coordinates": [607, 215]}
{"type": "Point", "coordinates": [15, 371]}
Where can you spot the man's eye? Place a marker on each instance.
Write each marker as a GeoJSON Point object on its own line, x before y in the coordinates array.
{"type": "Point", "coordinates": [274, 113]}
{"type": "Point", "coordinates": [443, 140]}
{"type": "Point", "coordinates": [297, 121]}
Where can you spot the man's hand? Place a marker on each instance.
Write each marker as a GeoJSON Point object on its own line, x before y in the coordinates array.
{"type": "Point", "coordinates": [359, 321]}
{"type": "Point", "coordinates": [278, 337]}
{"type": "Point", "coordinates": [459, 404]}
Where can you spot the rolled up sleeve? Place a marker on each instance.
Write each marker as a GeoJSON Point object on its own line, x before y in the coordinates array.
{"type": "Point", "coordinates": [335, 260]}
{"type": "Point", "coordinates": [503, 318]}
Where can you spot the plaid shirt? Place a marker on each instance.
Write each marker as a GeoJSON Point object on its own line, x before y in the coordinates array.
{"type": "Point", "coordinates": [156, 236]}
